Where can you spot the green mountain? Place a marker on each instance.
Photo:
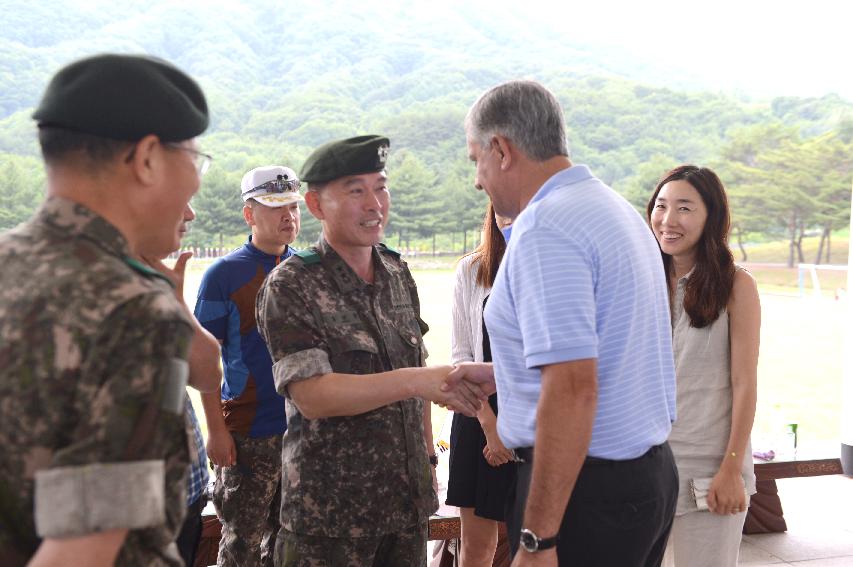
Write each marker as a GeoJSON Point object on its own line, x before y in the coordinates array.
{"type": "Point", "coordinates": [283, 77]}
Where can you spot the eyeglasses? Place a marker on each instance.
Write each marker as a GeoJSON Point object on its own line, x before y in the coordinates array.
{"type": "Point", "coordinates": [201, 160]}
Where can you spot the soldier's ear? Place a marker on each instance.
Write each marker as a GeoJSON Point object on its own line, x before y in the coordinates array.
{"type": "Point", "coordinates": [146, 160]}
{"type": "Point", "coordinates": [313, 202]}
{"type": "Point", "coordinates": [248, 214]}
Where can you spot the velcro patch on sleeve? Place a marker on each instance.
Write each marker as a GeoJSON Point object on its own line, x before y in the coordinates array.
{"type": "Point", "coordinates": [80, 500]}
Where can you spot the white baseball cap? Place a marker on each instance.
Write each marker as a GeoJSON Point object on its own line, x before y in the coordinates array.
{"type": "Point", "coordinates": [271, 185]}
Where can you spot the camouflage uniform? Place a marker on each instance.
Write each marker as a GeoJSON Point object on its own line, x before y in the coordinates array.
{"type": "Point", "coordinates": [247, 499]}
{"type": "Point", "coordinates": [355, 478]}
{"type": "Point", "coordinates": [93, 369]}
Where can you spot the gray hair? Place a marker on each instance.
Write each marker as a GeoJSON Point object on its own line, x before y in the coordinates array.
{"type": "Point", "coordinates": [524, 112]}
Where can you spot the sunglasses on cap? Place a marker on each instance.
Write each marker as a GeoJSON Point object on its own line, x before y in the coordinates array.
{"type": "Point", "coordinates": [278, 185]}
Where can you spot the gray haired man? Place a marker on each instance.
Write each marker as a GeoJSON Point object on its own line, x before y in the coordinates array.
{"type": "Point", "coordinates": [578, 320]}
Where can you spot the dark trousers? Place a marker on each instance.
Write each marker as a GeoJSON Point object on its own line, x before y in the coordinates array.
{"type": "Point", "coordinates": [620, 512]}
{"type": "Point", "coordinates": [190, 534]}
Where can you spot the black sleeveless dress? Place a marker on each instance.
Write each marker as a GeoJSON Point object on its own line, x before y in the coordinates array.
{"type": "Point", "coordinates": [473, 482]}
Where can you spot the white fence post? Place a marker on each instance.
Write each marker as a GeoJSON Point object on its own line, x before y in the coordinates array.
{"type": "Point", "coordinates": [847, 385]}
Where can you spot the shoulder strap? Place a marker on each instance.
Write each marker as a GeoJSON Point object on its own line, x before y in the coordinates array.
{"type": "Point", "coordinates": [146, 271]}
{"type": "Point", "coordinates": [385, 249]}
{"type": "Point", "coordinates": [309, 256]}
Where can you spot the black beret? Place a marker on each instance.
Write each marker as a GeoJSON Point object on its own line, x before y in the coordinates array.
{"type": "Point", "coordinates": [353, 156]}
{"type": "Point", "coordinates": [124, 97]}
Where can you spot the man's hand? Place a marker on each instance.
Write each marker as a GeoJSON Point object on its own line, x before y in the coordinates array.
{"type": "Point", "coordinates": [176, 274]}
{"type": "Point", "coordinates": [462, 397]}
{"type": "Point", "coordinates": [480, 377]}
{"type": "Point", "coordinates": [221, 449]}
{"type": "Point", "coordinates": [546, 558]}
{"type": "Point", "coordinates": [205, 374]}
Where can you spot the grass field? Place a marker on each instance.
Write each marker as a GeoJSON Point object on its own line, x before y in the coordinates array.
{"type": "Point", "coordinates": [800, 367]}
{"type": "Point", "coordinates": [777, 251]}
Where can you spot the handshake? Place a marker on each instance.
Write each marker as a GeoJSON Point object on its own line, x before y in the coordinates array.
{"type": "Point", "coordinates": [462, 388]}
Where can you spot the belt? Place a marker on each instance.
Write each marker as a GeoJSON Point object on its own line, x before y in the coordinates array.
{"type": "Point", "coordinates": [525, 456]}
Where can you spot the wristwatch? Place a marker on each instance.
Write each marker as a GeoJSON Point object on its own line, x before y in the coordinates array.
{"type": "Point", "coordinates": [532, 543]}
{"type": "Point", "coordinates": [433, 460]}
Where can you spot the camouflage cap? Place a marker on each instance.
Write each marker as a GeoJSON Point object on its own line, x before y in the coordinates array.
{"type": "Point", "coordinates": [271, 185]}
{"type": "Point", "coordinates": [362, 154]}
{"type": "Point", "coordinates": [124, 97]}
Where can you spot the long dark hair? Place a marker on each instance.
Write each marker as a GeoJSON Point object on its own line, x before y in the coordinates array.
{"type": "Point", "coordinates": [490, 252]}
{"type": "Point", "coordinates": [710, 285]}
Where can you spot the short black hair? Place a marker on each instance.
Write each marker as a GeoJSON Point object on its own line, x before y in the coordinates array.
{"type": "Point", "coordinates": [58, 144]}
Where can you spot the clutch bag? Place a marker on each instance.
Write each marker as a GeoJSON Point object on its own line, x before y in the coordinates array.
{"type": "Point", "coordinates": [699, 488]}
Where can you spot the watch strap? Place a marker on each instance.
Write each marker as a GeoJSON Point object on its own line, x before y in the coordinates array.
{"type": "Point", "coordinates": [547, 542]}
{"type": "Point", "coordinates": [532, 543]}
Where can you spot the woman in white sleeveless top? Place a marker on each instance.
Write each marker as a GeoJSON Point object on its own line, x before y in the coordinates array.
{"type": "Point", "coordinates": [482, 469]}
{"type": "Point", "coordinates": [716, 319]}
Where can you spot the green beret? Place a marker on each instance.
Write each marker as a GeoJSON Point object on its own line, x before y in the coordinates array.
{"type": "Point", "coordinates": [124, 97]}
{"type": "Point", "coordinates": [353, 156]}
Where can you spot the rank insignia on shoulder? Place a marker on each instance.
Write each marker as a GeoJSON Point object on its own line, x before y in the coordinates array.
{"type": "Point", "coordinates": [388, 250]}
{"type": "Point", "coordinates": [309, 256]}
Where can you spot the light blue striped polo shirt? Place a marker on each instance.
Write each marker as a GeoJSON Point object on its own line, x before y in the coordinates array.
{"type": "Point", "coordinates": [582, 278]}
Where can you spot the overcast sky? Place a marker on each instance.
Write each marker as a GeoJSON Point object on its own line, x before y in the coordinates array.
{"type": "Point", "coordinates": [761, 48]}
{"type": "Point", "coordinates": [765, 48]}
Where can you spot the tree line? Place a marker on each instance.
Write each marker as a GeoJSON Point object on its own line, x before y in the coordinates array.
{"type": "Point", "coordinates": [780, 184]}
{"type": "Point", "coordinates": [784, 161]}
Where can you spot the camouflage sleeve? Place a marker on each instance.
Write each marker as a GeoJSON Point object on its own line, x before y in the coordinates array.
{"type": "Point", "coordinates": [293, 336]}
{"type": "Point", "coordinates": [125, 459]}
